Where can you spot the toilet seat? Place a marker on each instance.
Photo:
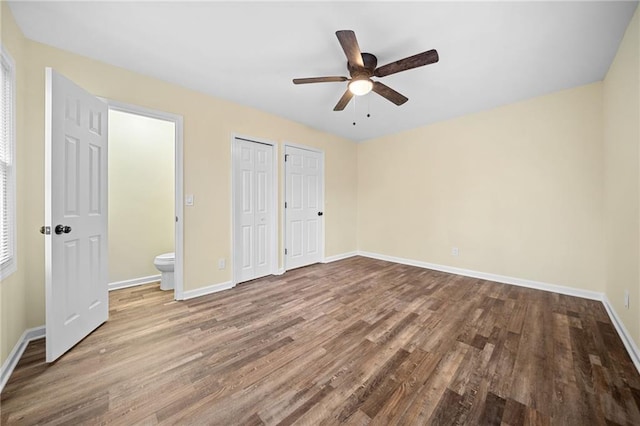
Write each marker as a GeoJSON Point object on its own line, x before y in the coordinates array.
{"type": "Point", "coordinates": [165, 259]}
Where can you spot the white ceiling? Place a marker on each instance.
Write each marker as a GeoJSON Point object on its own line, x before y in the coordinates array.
{"type": "Point", "coordinates": [491, 53]}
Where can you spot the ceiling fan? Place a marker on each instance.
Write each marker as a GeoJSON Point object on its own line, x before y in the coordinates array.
{"type": "Point", "coordinates": [362, 66]}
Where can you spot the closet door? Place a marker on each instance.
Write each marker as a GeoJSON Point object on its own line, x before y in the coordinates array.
{"type": "Point", "coordinates": [253, 211]}
{"type": "Point", "coordinates": [304, 209]}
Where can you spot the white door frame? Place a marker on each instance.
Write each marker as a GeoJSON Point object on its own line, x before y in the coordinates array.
{"type": "Point", "coordinates": [273, 221]}
{"type": "Point", "coordinates": [283, 182]}
{"type": "Point", "coordinates": [178, 274]}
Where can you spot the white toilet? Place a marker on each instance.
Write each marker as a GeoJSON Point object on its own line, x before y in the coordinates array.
{"type": "Point", "coordinates": [164, 263]}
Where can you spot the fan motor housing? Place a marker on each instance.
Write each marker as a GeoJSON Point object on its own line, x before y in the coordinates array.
{"type": "Point", "coordinates": [370, 63]}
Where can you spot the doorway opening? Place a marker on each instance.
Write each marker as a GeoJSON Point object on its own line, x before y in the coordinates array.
{"type": "Point", "coordinates": [145, 197]}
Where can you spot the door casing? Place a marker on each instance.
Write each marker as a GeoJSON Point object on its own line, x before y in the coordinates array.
{"type": "Point", "coordinates": [178, 269]}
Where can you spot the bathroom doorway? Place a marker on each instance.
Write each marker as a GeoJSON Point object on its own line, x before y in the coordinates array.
{"type": "Point", "coordinates": [145, 195]}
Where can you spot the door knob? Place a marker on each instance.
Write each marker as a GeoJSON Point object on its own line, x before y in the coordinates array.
{"type": "Point", "coordinates": [62, 229]}
{"type": "Point", "coordinates": [320, 213]}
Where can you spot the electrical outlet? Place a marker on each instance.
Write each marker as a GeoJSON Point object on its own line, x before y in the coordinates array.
{"type": "Point", "coordinates": [222, 263]}
{"type": "Point", "coordinates": [626, 299]}
{"type": "Point", "coordinates": [454, 251]}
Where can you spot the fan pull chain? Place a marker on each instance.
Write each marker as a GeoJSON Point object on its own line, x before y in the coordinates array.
{"type": "Point", "coordinates": [354, 110]}
{"type": "Point", "coordinates": [368, 106]}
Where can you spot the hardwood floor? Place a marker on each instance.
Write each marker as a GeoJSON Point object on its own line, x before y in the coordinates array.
{"type": "Point", "coordinates": [358, 341]}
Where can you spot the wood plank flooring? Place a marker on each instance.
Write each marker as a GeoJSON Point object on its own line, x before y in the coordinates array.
{"type": "Point", "coordinates": [355, 342]}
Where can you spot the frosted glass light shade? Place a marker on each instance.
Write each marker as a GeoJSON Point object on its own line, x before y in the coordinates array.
{"type": "Point", "coordinates": [360, 87]}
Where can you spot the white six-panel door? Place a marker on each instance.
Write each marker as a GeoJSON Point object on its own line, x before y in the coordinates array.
{"type": "Point", "coordinates": [304, 207]}
{"type": "Point", "coordinates": [253, 210]}
{"type": "Point", "coordinates": [77, 299]}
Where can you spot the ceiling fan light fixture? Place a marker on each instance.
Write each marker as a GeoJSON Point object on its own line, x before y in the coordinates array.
{"type": "Point", "coordinates": [360, 87]}
{"type": "Point", "coordinates": [362, 66]}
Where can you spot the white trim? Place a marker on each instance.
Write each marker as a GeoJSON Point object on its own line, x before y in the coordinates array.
{"type": "Point", "coordinates": [275, 232]}
{"type": "Point", "coordinates": [282, 235]}
{"type": "Point", "coordinates": [274, 203]}
{"type": "Point", "coordinates": [323, 221]}
{"type": "Point", "coordinates": [305, 147]}
{"type": "Point", "coordinates": [626, 338]}
{"type": "Point", "coordinates": [337, 257]}
{"type": "Point", "coordinates": [16, 353]}
{"type": "Point", "coordinates": [284, 194]}
{"type": "Point", "coordinates": [569, 291]}
{"type": "Point", "coordinates": [178, 267]}
{"type": "Point", "coordinates": [203, 291]}
{"type": "Point", "coordinates": [116, 285]}
{"type": "Point", "coordinates": [178, 186]}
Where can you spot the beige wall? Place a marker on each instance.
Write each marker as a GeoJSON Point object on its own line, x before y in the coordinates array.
{"type": "Point", "coordinates": [14, 296]}
{"type": "Point", "coordinates": [622, 178]}
{"type": "Point", "coordinates": [141, 194]}
{"type": "Point", "coordinates": [209, 124]}
{"type": "Point", "coordinates": [518, 189]}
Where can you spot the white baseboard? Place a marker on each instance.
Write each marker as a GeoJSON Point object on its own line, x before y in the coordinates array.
{"type": "Point", "coordinates": [190, 294]}
{"type": "Point", "coordinates": [280, 271]}
{"type": "Point", "coordinates": [134, 282]}
{"type": "Point", "coordinates": [626, 338]}
{"type": "Point", "coordinates": [569, 291]}
{"type": "Point", "coordinates": [339, 257]}
{"type": "Point", "coordinates": [16, 353]}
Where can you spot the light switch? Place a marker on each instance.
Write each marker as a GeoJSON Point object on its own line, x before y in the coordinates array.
{"type": "Point", "coordinates": [188, 200]}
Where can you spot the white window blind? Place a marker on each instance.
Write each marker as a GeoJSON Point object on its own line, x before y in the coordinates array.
{"type": "Point", "coordinates": [7, 167]}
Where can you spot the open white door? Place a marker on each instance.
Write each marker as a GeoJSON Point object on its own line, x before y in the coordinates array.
{"type": "Point", "coordinates": [77, 298]}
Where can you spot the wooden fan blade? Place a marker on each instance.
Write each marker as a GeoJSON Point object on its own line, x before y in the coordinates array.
{"type": "Point", "coordinates": [318, 80]}
{"type": "Point", "coordinates": [349, 43]}
{"type": "Point", "coordinates": [415, 61]}
{"type": "Point", "coordinates": [388, 93]}
{"type": "Point", "coordinates": [344, 100]}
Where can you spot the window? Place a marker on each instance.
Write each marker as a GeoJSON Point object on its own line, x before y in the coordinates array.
{"type": "Point", "coordinates": [7, 167]}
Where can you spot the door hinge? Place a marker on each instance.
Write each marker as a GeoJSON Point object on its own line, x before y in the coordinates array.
{"type": "Point", "coordinates": [176, 218]}
{"type": "Point", "coordinates": [286, 157]}
{"type": "Point", "coordinates": [285, 251]}
{"type": "Point", "coordinates": [285, 204]}
{"type": "Point", "coordinates": [46, 230]}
